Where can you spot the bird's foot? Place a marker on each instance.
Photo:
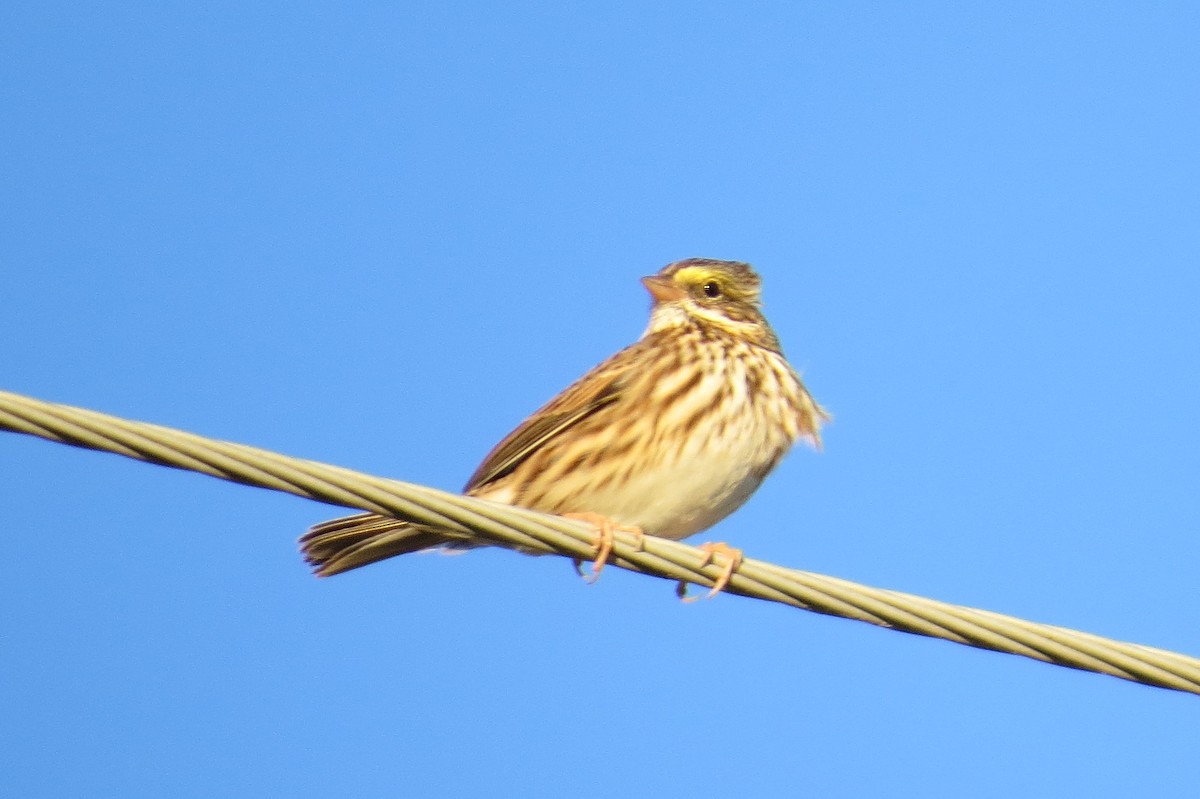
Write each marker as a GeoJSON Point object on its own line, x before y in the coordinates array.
{"type": "Point", "coordinates": [604, 541]}
{"type": "Point", "coordinates": [732, 555]}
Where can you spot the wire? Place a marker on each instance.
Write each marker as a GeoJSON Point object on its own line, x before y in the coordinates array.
{"type": "Point", "coordinates": [529, 531]}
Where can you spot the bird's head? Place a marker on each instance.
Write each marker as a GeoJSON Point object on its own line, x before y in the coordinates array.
{"type": "Point", "coordinates": [710, 293]}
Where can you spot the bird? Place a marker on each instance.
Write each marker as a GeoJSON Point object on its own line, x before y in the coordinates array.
{"type": "Point", "coordinates": [665, 438]}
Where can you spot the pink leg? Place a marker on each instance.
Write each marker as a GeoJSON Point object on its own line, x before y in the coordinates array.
{"type": "Point", "coordinates": [732, 555]}
{"type": "Point", "coordinates": [604, 540]}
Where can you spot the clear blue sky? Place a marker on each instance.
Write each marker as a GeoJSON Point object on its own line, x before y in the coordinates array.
{"type": "Point", "coordinates": [380, 234]}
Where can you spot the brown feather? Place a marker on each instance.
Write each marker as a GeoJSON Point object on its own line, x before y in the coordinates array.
{"type": "Point", "coordinates": [351, 541]}
{"type": "Point", "coordinates": [584, 397]}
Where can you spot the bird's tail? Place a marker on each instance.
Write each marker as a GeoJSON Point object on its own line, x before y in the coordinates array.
{"type": "Point", "coordinates": [349, 542]}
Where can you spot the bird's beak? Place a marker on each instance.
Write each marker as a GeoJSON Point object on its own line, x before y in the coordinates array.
{"type": "Point", "coordinates": [663, 289]}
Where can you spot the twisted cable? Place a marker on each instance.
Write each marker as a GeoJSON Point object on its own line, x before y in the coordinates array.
{"type": "Point", "coordinates": [517, 528]}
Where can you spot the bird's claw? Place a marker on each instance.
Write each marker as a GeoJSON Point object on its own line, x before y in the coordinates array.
{"type": "Point", "coordinates": [734, 558]}
{"type": "Point", "coordinates": [604, 541]}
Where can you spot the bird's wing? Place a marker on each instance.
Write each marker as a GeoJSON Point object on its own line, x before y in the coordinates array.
{"type": "Point", "coordinates": [598, 388]}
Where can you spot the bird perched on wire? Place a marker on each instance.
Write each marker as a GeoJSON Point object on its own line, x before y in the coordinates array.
{"type": "Point", "coordinates": [665, 438]}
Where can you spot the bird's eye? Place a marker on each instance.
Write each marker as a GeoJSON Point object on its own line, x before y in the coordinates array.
{"type": "Point", "coordinates": [712, 289]}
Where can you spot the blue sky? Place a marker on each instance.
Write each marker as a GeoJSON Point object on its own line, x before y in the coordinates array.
{"type": "Point", "coordinates": [380, 234]}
